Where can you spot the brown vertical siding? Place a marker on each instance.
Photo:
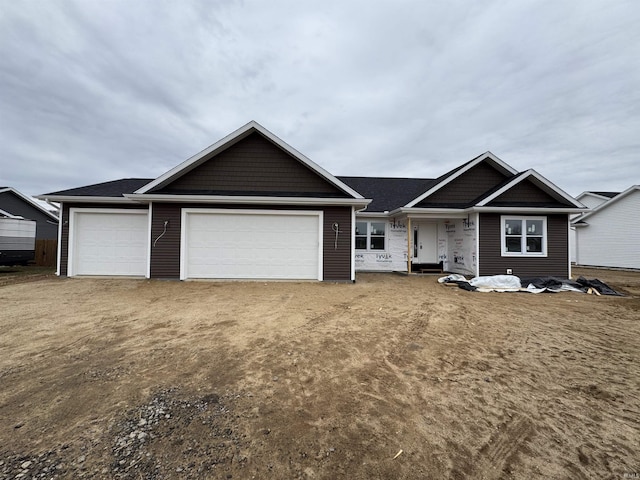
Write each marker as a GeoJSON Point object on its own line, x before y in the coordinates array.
{"type": "Point", "coordinates": [467, 187]}
{"type": "Point", "coordinates": [165, 254]}
{"type": "Point", "coordinates": [337, 258]}
{"type": "Point", "coordinates": [556, 263]}
{"type": "Point", "coordinates": [254, 164]}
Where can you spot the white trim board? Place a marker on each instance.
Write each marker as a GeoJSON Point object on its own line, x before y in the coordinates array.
{"type": "Point", "coordinates": [248, 200]}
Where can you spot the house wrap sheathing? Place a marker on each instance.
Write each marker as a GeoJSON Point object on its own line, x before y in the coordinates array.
{"type": "Point", "coordinates": [456, 248]}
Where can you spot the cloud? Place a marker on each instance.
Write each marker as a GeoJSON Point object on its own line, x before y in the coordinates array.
{"type": "Point", "coordinates": [93, 91]}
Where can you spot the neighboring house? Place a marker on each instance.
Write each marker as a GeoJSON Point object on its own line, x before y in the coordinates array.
{"type": "Point", "coordinates": [251, 206]}
{"type": "Point", "coordinates": [607, 236]}
{"type": "Point", "coordinates": [590, 200]}
{"type": "Point", "coordinates": [16, 204]}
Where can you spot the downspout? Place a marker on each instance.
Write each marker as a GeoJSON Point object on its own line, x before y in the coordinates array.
{"type": "Point", "coordinates": [353, 244]}
{"type": "Point", "coordinates": [59, 247]}
{"type": "Point", "coordinates": [477, 244]}
{"type": "Point", "coordinates": [409, 236]}
{"type": "Point", "coordinates": [569, 242]}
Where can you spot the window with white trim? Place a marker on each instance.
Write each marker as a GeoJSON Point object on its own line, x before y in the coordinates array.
{"type": "Point", "coordinates": [371, 235]}
{"type": "Point", "coordinates": [524, 236]}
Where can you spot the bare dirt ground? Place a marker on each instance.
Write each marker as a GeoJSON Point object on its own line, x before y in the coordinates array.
{"type": "Point", "coordinates": [392, 377]}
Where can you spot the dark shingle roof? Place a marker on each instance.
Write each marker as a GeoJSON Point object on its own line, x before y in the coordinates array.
{"type": "Point", "coordinates": [388, 193]}
{"type": "Point", "coordinates": [114, 188]}
{"type": "Point", "coordinates": [606, 194]}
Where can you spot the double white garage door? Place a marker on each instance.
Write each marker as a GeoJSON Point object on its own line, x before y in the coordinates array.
{"type": "Point", "coordinates": [215, 243]}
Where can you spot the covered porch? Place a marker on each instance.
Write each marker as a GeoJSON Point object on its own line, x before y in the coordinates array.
{"type": "Point", "coordinates": [441, 242]}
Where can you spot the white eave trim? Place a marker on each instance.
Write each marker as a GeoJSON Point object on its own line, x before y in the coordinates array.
{"type": "Point", "coordinates": [532, 210]}
{"type": "Point", "coordinates": [223, 143]}
{"type": "Point", "coordinates": [541, 179]}
{"type": "Point", "coordinates": [432, 212]}
{"type": "Point", "coordinates": [84, 199]}
{"type": "Point", "coordinates": [417, 212]}
{"type": "Point", "coordinates": [466, 168]}
{"type": "Point", "coordinates": [364, 213]}
{"type": "Point", "coordinates": [247, 200]}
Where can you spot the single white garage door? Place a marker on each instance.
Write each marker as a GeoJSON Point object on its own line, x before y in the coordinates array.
{"type": "Point", "coordinates": [108, 242]}
{"type": "Point", "coordinates": [252, 244]}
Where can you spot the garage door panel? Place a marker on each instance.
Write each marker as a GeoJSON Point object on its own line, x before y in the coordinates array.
{"type": "Point", "coordinates": [110, 243]}
{"type": "Point", "coordinates": [243, 245]}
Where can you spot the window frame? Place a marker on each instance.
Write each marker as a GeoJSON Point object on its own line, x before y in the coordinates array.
{"type": "Point", "coordinates": [523, 236]}
{"type": "Point", "coordinates": [369, 235]}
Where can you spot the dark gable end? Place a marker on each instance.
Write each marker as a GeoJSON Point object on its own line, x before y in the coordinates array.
{"type": "Point", "coordinates": [252, 166]}
{"type": "Point", "coordinates": [529, 193]}
{"type": "Point", "coordinates": [46, 227]}
{"type": "Point", "coordinates": [465, 189]}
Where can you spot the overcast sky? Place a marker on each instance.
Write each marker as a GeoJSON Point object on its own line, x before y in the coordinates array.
{"type": "Point", "coordinates": [96, 90]}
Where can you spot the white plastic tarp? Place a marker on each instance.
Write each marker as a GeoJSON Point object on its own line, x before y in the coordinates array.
{"type": "Point", "coordinates": [501, 283]}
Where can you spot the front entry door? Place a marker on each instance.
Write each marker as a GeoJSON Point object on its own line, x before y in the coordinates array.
{"type": "Point", "coordinates": [426, 243]}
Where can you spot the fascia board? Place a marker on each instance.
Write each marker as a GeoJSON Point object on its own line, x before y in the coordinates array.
{"type": "Point", "coordinates": [480, 159]}
{"type": "Point", "coordinates": [247, 200]}
{"type": "Point", "coordinates": [611, 201]}
{"type": "Point", "coordinates": [223, 143]}
{"type": "Point", "coordinates": [83, 199]}
{"type": "Point", "coordinates": [364, 213]}
{"type": "Point", "coordinates": [29, 201]}
{"type": "Point", "coordinates": [540, 178]}
{"type": "Point", "coordinates": [432, 212]}
{"type": "Point", "coordinates": [533, 210]}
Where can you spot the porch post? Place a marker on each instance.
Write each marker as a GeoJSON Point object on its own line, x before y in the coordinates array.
{"type": "Point", "coordinates": [409, 237]}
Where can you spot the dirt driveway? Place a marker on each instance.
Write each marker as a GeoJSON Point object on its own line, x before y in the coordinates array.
{"type": "Point", "coordinates": [391, 377]}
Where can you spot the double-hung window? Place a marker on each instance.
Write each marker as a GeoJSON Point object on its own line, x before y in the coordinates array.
{"type": "Point", "coordinates": [370, 235]}
{"type": "Point", "coordinates": [524, 236]}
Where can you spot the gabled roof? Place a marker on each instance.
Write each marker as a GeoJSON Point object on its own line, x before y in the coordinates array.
{"type": "Point", "coordinates": [232, 139]}
{"type": "Point", "coordinates": [388, 193]}
{"type": "Point", "coordinates": [606, 194]}
{"type": "Point", "coordinates": [602, 195]}
{"type": "Point", "coordinates": [603, 206]}
{"type": "Point", "coordinates": [448, 177]}
{"type": "Point", "coordinates": [30, 201]}
{"type": "Point", "coordinates": [538, 179]}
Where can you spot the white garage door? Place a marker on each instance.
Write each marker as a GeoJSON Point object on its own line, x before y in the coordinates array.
{"type": "Point", "coordinates": [251, 244]}
{"type": "Point", "coordinates": [109, 243]}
